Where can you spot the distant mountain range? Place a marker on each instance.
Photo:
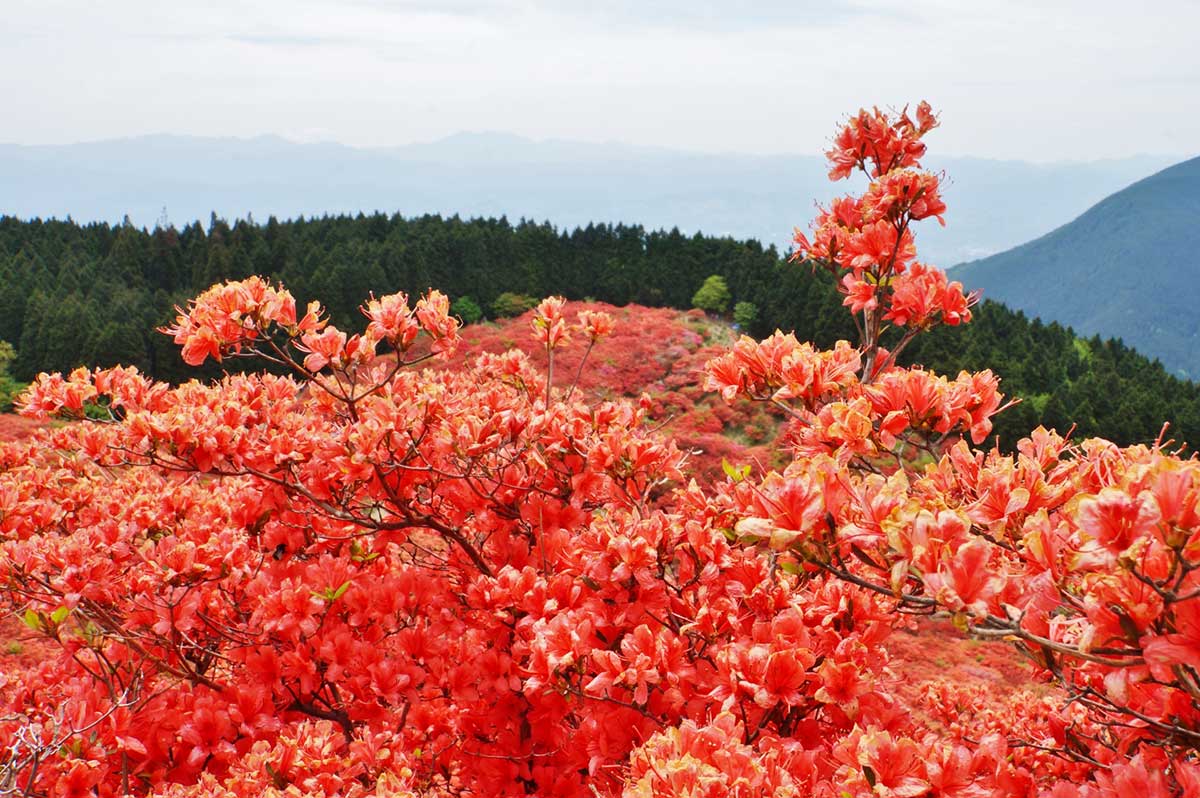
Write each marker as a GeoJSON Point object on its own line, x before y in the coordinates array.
{"type": "Point", "coordinates": [993, 204]}
{"type": "Point", "coordinates": [1129, 267]}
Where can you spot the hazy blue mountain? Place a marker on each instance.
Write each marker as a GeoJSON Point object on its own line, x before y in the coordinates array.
{"type": "Point", "coordinates": [993, 204]}
{"type": "Point", "coordinates": [1129, 267]}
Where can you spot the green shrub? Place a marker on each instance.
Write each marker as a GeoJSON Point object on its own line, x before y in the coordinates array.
{"type": "Point", "coordinates": [466, 309]}
{"type": "Point", "coordinates": [510, 304]}
{"type": "Point", "coordinates": [9, 388]}
{"type": "Point", "coordinates": [745, 314]}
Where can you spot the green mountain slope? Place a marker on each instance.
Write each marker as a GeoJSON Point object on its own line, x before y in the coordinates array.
{"type": "Point", "coordinates": [1129, 268]}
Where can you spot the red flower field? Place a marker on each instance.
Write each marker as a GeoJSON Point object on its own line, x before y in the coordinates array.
{"type": "Point", "coordinates": [428, 563]}
{"type": "Point", "coordinates": [947, 681]}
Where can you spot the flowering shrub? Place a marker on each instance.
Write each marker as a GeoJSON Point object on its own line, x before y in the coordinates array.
{"type": "Point", "coordinates": [1079, 553]}
{"type": "Point", "coordinates": [444, 582]}
{"type": "Point", "coordinates": [370, 579]}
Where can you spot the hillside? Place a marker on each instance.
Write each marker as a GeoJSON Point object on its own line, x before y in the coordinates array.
{"type": "Point", "coordinates": [661, 353]}
{"type": "Point", "coordinates": [494, 174]}
{"type": "Point", "coordinates": [73, 294]}
{"type": "Point", "coordinates": [1129, 268]}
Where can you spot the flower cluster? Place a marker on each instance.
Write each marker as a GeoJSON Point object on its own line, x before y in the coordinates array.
{"type": "Point", "coordinates": [875, 143]}
{"type": "Point", "coordinates": [246, 315]}
{"type": "Point", "coordinates": [867, 242]}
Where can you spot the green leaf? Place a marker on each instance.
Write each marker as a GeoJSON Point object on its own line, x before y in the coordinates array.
{"type": "Point", "coordinates": [736, 473]}
{"type": "Point", "coordinates": [361, 555]}
{"type": "Point", "coordinates": [60, 614]}
{"type": "Point", "coordinates": [331, 594]}
{"type": "Point", "coordinates": [32, 620]}
{"type": "Point", "coordinates": [278, 779]}
{"type": "Point", "coordinates": [864, 557]}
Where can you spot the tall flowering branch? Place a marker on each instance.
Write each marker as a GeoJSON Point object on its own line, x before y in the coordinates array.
{"type": "Point", "coordinates": [551, 331]}
{"type": "Point", "coordinates": [867, 242]}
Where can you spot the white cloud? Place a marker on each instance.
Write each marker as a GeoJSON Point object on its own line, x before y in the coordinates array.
{"type": "Point", "coordinates": [1021, 79]}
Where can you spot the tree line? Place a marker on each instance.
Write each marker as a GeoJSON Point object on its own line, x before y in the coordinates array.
{"type": "Point", "coordinates": [94, 294]}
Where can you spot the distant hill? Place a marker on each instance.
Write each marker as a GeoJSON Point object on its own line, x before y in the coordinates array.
{"type": "Point", "coordinates": [1128, 268]}
{"type": "Point", "coordinates": [993, 204]}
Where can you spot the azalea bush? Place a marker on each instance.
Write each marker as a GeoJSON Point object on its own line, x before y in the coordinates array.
{"type": "Point", "coordinates": [376, 577]}
{"type": "Point", "coordinates": [1084, 555]}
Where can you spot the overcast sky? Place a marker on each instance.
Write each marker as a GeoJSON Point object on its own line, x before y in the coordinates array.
{"type": "Point", "coordinates": [1031, 79]}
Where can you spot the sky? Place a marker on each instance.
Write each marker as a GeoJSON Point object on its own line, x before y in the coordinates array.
{"type": "Point", "coordinates": [1038, 80]}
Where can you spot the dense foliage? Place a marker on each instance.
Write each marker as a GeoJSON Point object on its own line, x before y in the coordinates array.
{"type": "Point", "coordinates": [367, 579]}
{"type": "Point", "coordinates": [1128, 267]}
{"type": "Point", "coordinates": [72, 295]}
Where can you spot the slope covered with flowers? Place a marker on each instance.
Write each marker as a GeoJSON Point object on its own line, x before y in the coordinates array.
{"type": "Point", "coordinates": [661, 354]}
{"type": "Point", "coordinates": [370, 577]}
{"type": "Point", "coordinates": [16, 428]}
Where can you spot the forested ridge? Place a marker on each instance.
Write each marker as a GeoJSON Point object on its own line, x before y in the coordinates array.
{"type": "Point", "coordinates": [94, 294]}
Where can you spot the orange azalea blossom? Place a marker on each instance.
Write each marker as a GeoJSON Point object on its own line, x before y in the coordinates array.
{"type": "Point", "coordinates": [550, 328]}
{"type": "Point", "coordinates": [875, 143]}
{"type": "Point", "coordinates": [904, 192]}
{"type": "Point", "coordinates": [596, 324]}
